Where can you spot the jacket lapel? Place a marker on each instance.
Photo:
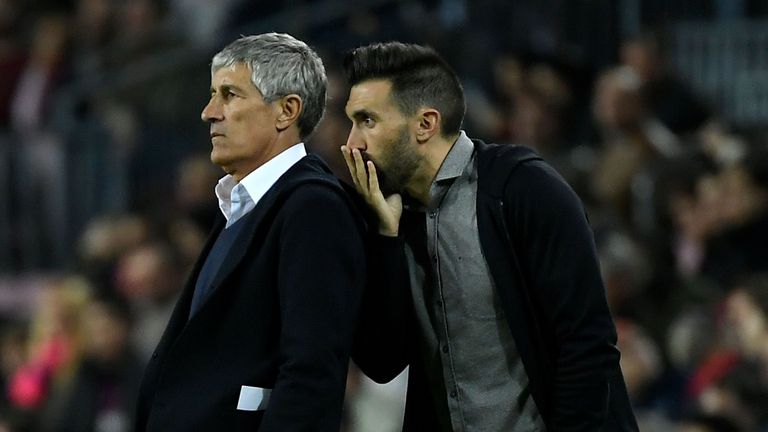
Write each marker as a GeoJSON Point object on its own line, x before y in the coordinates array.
{"type": "Point", "coordinates": [267, 205]}
{"type": "Point", "coordinates": [180, 314]}
{"type": "Point", "coordinates": [235, 255]}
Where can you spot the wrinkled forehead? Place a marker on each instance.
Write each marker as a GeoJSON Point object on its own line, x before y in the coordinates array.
{"type": "Point", "coordinates": [370, 95]}
{"type": "Point", "coordinates": [238, 74]}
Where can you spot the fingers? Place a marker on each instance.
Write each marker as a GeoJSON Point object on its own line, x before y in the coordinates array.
{"type": "Point", "coordinates": [356, 165]}
{"type": "Point", "coordinates": [373, 179]}
{"type": "Point", "coordinates": [350, 165]}
{"type": "Point", "coordinates": [366, 182]}
{"type": "Point", "coordinates": [362, 173]}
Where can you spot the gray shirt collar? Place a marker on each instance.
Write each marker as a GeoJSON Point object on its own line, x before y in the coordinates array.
{"type": "Point", "coordinates": [457, 160]}
{"type": "Point", "coordinates": [456, 164]}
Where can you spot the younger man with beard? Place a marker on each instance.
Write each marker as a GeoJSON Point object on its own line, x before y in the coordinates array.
{"type": "Point", "coordinates": [505, 325]}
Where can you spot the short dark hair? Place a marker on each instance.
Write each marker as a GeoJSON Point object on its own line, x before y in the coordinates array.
{"type": "Point", "coordinates": [419, 77]}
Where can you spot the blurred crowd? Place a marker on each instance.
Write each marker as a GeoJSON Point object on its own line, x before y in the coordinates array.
{"type": "Point", "coordinates": [107, 191]}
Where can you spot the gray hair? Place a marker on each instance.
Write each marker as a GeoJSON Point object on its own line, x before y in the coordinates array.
{"type": "Point", "coordinates": [281, 65]}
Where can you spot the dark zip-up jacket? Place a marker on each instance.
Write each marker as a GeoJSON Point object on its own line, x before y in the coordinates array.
{"type": "Point", "coordinates": [540, 251]}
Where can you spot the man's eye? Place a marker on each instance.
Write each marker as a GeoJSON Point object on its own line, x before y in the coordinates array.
{"type": "Point", "coordinates": [368, 122]}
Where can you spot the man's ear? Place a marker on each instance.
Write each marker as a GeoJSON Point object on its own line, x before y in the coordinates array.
{"type": "Point", "coordinates": [289, 107]}
{"type": "Point", "coordinates": [429, 124]}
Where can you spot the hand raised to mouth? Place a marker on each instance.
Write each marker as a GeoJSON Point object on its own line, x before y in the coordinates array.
{"type": "Point", "coordinates": [366, 181]}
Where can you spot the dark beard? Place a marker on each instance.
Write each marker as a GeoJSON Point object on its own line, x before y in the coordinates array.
{"type": "Point", "coordinates": [385, 184]}
{"type": "Point", "coordinates": [396, 165]}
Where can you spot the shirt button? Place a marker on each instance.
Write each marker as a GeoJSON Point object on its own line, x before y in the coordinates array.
{"type": "Point", "coordinates": [445, 348]}
{"type": "Point", "coordinates": [432, 215]}
{"type": "Point", "coordinates": [439, 303]}
{"type": "Point", "coordinates": [454, 394]}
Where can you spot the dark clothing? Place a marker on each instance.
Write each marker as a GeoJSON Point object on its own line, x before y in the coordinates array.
{"type": "Point", "coordinates": [225, 241]}
{"type": "Point", "coordinates": [471, 352]}
{"type": "Point", "coordinates": [280, 317]}
{"type": "Point", "coordinates": [541, 255]}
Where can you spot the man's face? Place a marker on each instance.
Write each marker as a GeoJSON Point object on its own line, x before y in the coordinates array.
{"type": "Point", "coordinates": [382, 134]}
{"type": "Point", "coordinates": [242, 123]}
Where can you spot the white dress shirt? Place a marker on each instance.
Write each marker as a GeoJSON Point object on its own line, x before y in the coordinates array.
{"type": "Point", "coordinates": [237, 199]}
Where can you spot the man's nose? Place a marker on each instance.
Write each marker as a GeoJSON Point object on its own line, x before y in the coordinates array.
{"type": "Point", "coordinates": [211, 112]}
{"type": "Point", "coordinates": [355, 141]}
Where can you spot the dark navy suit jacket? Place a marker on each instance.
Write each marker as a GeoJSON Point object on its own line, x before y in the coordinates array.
{"type": "Point", "coordinates": [280, 319]}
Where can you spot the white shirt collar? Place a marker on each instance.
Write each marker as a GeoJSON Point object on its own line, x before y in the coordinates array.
{"type": "Point", "coordinates": [237, 199]}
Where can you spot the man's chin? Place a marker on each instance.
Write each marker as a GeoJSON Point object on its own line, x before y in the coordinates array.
{"type": "Point", "coordinates": [385, 181]}
{"type": "Point", "coordinates": [217, 158]}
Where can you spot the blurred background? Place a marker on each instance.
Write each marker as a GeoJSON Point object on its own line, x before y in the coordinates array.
{"type": "Point", "coordinates": [655, 111]}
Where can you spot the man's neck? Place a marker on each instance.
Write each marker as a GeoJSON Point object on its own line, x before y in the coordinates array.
{"type": "Point", "coordinates": [435, 153]}
{"type": "Point", "coordinates": [283, 142]}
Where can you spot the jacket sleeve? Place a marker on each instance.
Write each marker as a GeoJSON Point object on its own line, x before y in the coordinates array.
{"type": "Point", "coordinates": [557, 255]}
{"type": "Point", "coordinates": [380, 349]}
{"type": "Point", "coordinates": [320, 281]}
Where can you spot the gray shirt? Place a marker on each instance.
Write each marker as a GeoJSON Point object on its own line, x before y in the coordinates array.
{"type": "Point", "coordinates": [469, 350]}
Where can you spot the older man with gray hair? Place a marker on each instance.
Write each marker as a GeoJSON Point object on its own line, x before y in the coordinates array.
{"type": "Point", "coordinates": [260, 337]}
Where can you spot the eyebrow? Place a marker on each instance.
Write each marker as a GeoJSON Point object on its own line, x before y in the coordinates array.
{"type": "Point", "coordinates": [361, 114]}
{"type": "Point", "coordinates": [228, 87]}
